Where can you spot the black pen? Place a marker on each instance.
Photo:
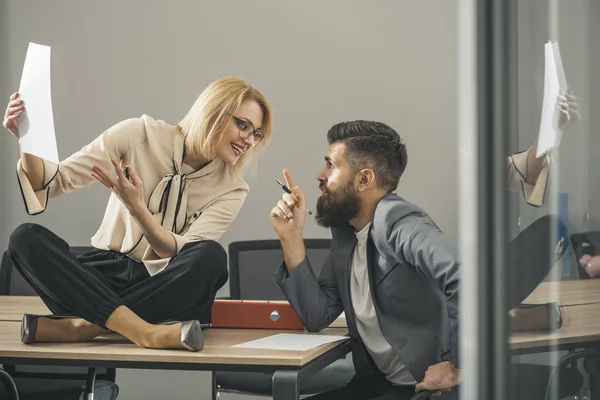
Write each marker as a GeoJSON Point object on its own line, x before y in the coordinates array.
{"type": "Point", "coordinates": [287, 190]}
{"type": "Point", "coordinates": [126, 169]}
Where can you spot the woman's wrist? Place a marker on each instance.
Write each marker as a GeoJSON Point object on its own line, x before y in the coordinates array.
{"type": "Point", "coordinates": [138, 210]}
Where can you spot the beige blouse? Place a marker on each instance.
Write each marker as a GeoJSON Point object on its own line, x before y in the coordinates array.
{"type": "Point", "coordinates": [533, 187]}
{"type": "Point", "coordinates": [192, 205]}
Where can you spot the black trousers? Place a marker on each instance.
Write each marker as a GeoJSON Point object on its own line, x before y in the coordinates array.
{"type": "Point", "coordinates": [94, 284]}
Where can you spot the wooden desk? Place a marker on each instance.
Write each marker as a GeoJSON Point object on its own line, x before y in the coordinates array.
{"type": "Point", "coordinates": [566, 293]}
{"type": "Point", "coordinates": [581, 324]}
{"type": "Point", "coordinates": [12, 308]}
{"type": "Point", "coordinates": [115, 348]}
{"type": "Point", "coordinates": [579, 302]}
{"type": "Point", "coordinates": [114, 351]}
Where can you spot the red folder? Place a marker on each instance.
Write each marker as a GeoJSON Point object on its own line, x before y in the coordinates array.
{"type": "Point", "coordinates": [254, 314]}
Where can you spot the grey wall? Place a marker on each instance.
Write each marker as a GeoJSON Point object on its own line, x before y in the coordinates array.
{"type": "Point", "coordinates": [317, 62]}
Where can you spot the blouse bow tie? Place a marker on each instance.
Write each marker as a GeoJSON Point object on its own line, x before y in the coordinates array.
{"type": "Point", "coordinates": [169, 201]}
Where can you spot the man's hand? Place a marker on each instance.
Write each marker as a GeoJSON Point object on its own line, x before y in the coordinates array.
{"type": "Point", "coordinates": [288, 216]}
{"type": "Point", "coordinates": [442, 377]}
{"type": "Point", "coordinates": [591, 265]}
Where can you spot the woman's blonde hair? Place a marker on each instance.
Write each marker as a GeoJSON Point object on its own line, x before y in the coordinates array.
{"type": "Point", "coordinates": [205, 123]}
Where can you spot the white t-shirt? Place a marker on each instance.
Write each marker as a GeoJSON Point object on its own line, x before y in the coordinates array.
{"type": "Point", "coordinates": [385, 357]}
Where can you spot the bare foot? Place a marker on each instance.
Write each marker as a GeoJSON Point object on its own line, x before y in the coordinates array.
{"type": "Point", "coordinates": [66, 330]}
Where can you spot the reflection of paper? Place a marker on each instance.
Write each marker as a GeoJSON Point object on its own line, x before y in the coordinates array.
{"type": "Point", "coordinates": [560, 70]}
{"type": "Point", "coordinates": [290, 341]}
{"type": "Point", "coordinates": [36, 125]}
{"type": "Point", "coordinates": [554, 80]}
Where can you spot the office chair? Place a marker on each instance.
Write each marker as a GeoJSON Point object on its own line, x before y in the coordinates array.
{"type": "Point", "coordinates": [43, 382]}
{"type": "Point", "coordinates": [570, 359]}
{"type": "Point", "coordinates": [252, 265]}
{"type": "Point", "coordinates": [9, 385]}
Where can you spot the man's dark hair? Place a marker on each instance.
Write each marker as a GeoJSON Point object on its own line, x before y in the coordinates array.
{"type": "Point", "coordinates": [372, 145]}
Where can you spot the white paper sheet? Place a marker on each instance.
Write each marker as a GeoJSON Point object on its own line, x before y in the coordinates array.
{"type": "Point", "coordinates": [36, 125]}
{"type": "Point", "coordinates": [560, 70]}
{"type": "Point", "coordinates": [290, 341]}
{"type": "Point", "coordinates": [554, 81]}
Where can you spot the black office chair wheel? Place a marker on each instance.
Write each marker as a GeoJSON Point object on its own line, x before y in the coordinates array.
{"type": "Point", "coordinates": [8, 382]}
{"type": "Point", "coordinates": [423, 395]}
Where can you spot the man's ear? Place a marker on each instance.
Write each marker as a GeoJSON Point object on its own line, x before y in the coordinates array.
{"type": "Point", "coordinates": [366, 179]}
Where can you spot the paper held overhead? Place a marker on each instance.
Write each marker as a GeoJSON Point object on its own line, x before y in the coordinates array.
{"type": "Point", "coordinates": [36, 125]}
{"type": "Point", "coordinates": [555, 82]}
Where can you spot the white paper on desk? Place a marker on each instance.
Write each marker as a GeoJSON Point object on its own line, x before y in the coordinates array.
{"type": "Point", "coordinates": [36, 125]}
{"type": "Point", "coordinates": [290, 341]}
{"type": "Point", "coordinates": [550, 135]}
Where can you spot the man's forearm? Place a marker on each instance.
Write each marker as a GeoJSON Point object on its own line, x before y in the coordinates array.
{"type": "Point", "coordinates": [161, 240]}
{"type": "Point", "coordinates": [294, 252]}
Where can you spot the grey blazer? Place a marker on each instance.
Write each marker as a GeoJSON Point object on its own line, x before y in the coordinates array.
{"type": "Point", "coordinates": [415, 278]}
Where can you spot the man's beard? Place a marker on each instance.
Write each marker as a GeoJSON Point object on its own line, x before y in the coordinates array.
{"type": "Point", "coordinates": [336, 208]}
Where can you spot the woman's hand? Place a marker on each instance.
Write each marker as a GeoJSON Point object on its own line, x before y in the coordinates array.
{"type": "Point", "coordinates": [568, 107]}
{"type": "Point", "coordinates": [14, 110]}
{"type": "Point", "coordinates": [129, 191]}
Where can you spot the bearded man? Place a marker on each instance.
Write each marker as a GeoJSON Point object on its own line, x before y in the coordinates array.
{"type": "Point", "coordinates": [391, 269]}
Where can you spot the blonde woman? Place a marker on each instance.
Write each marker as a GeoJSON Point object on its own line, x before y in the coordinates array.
{"type": "Point", "coordinates": [156, 266]}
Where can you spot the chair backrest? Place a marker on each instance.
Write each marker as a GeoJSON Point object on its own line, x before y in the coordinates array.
{"type": "Point", "coordinates": [253, 263]}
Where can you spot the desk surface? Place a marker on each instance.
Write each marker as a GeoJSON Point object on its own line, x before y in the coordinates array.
{"type": "Point", "coordinates": [217, 349]}
{"type": "Point", "coordinates": [12, 308]}
{"type": "Point", "coordinates": [217, 346]}
{"type": "Point", "coordinates": [581, 323]}
{"type": "Point", "coordinates": [580, 310]}
{"type": "Point", "coordinates": [567, 293]}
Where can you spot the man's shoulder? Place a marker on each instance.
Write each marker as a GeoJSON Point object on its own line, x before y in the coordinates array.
{"type": "Point", "coordinates": [396, 217]}
{"type": "Point", "coordinates": [393, 208]}
{"type": "Point", "coordinates": [397, 222]}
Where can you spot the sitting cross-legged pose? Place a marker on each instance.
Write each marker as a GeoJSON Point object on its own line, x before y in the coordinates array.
{"type": "Point", "coordinates": [156, 265]}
